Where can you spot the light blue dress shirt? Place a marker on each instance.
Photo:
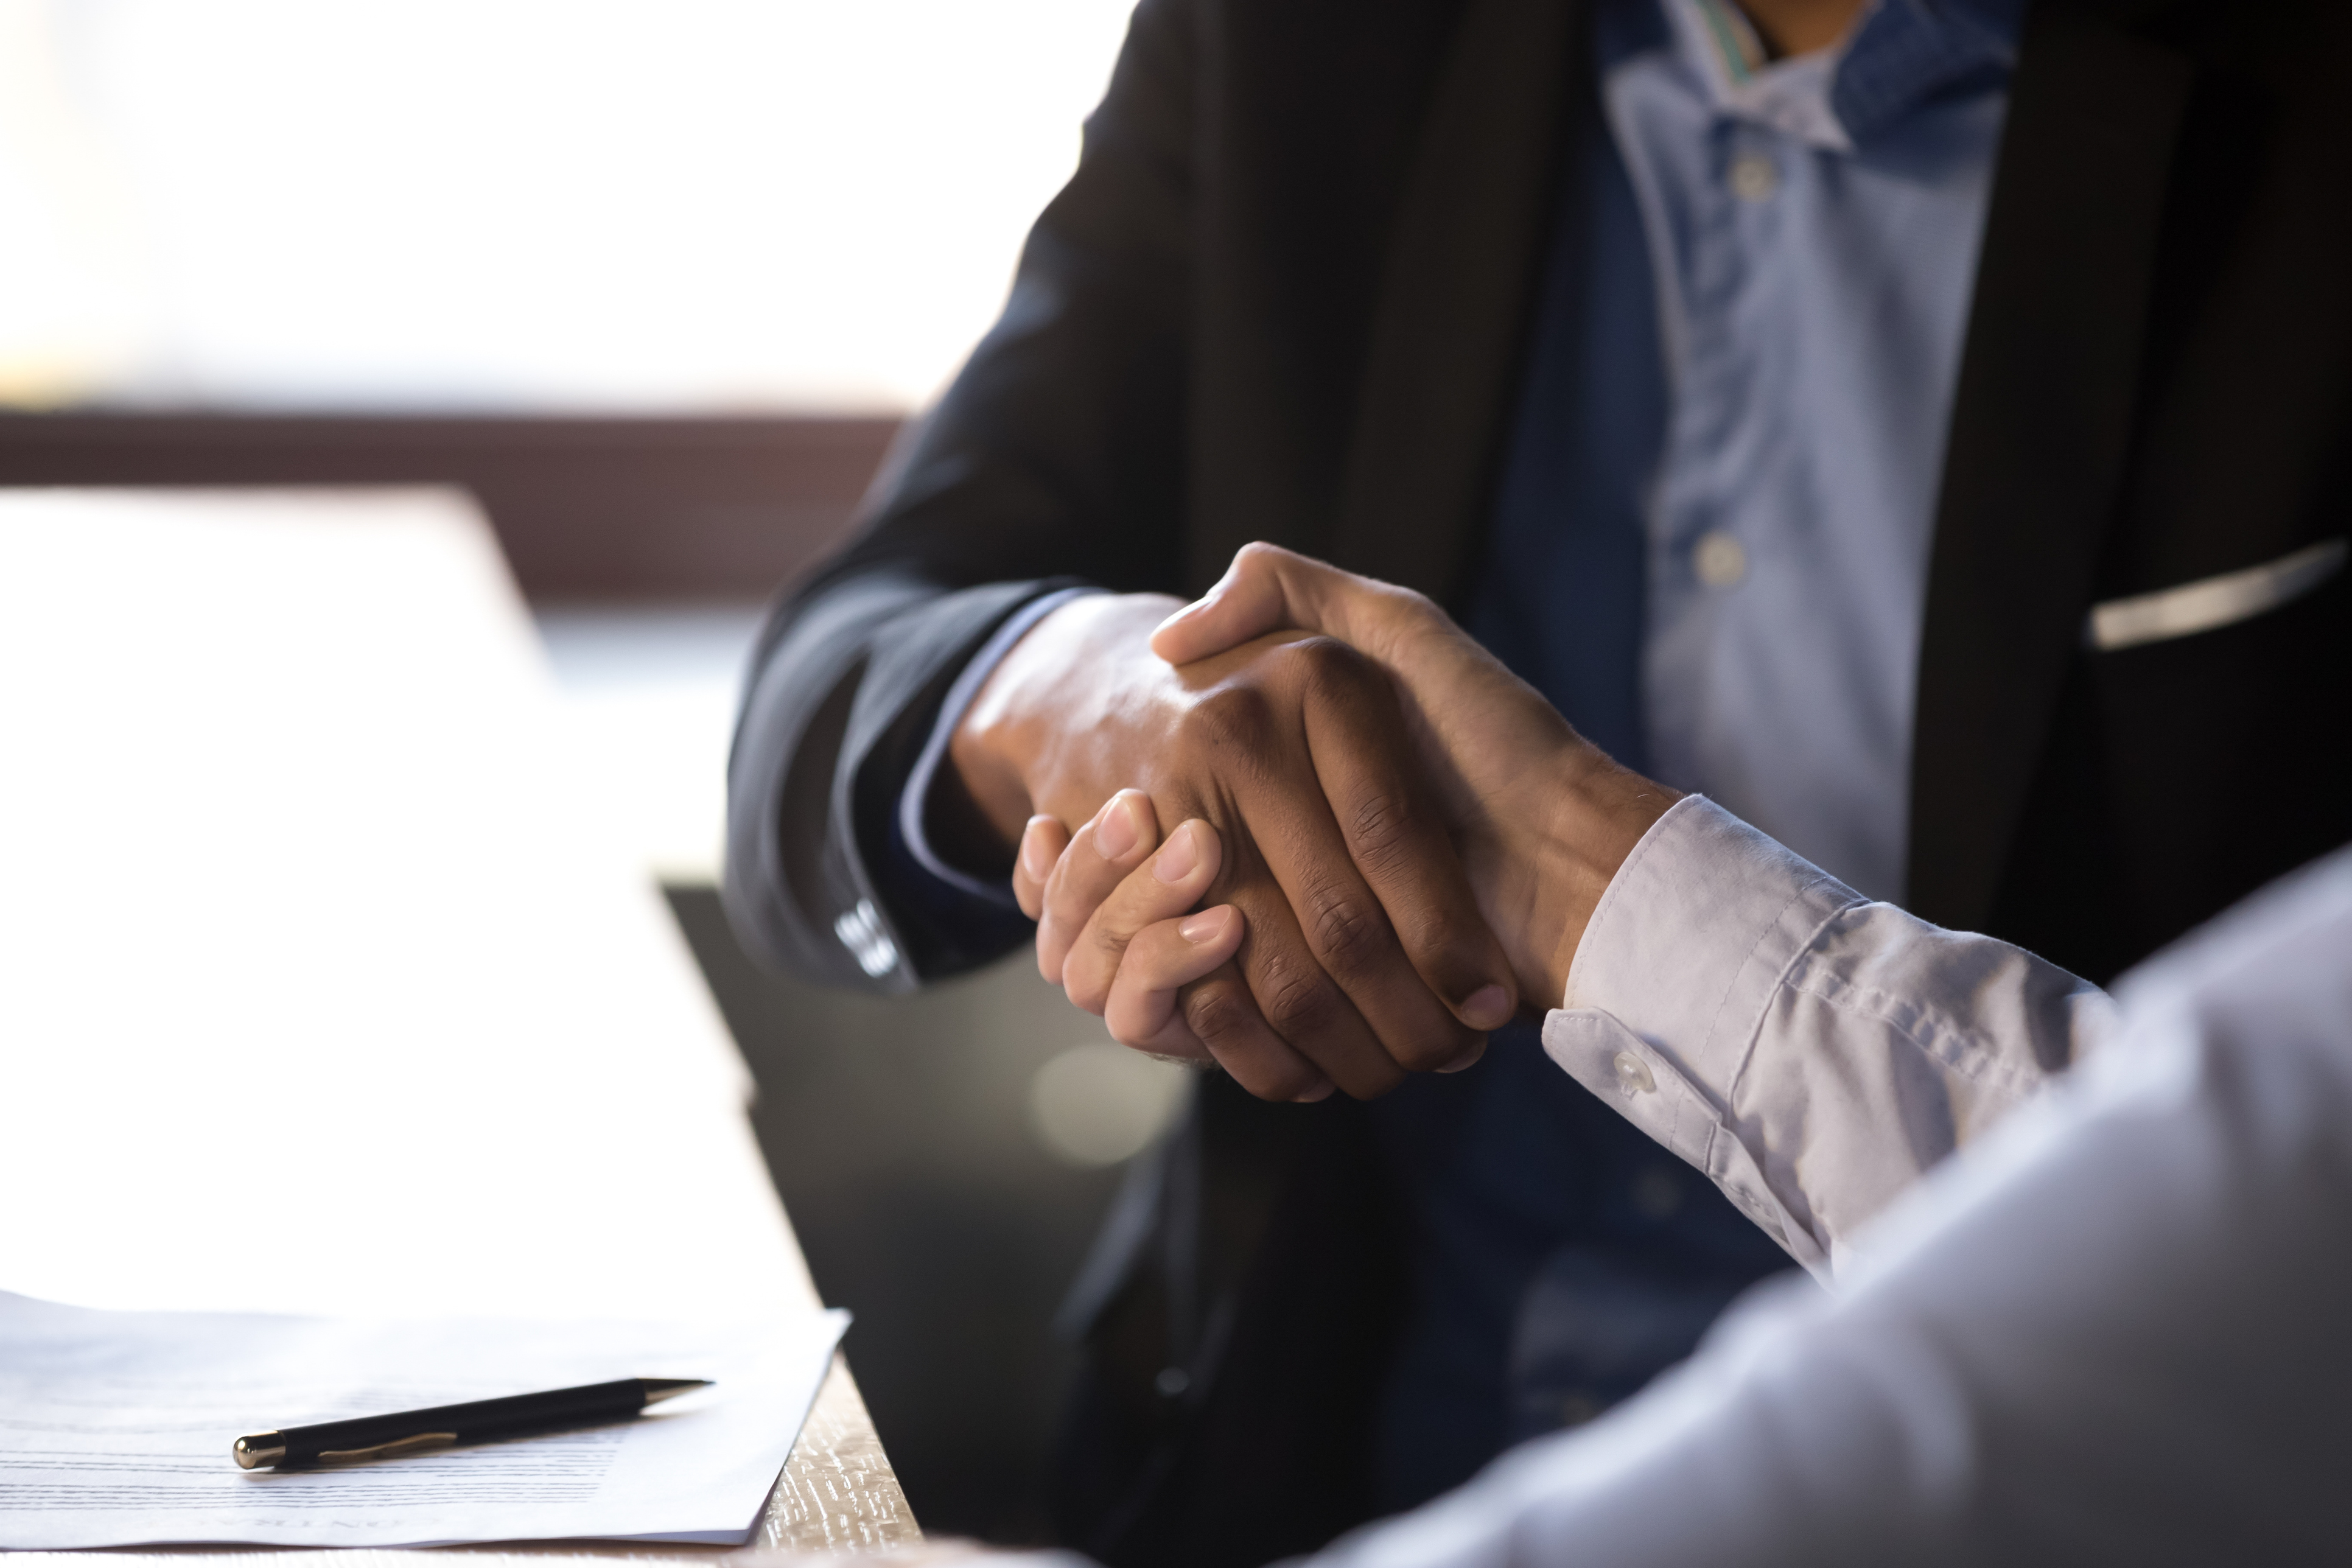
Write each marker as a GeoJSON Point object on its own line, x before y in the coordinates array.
{"type": "Point", "coordinates": [1811, 229]}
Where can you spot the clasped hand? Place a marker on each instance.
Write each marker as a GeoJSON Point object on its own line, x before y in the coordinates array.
{"type": "Point", "coordinates": [1373, 814]}
{"type": "Point", "coordinates": [1358, 952]}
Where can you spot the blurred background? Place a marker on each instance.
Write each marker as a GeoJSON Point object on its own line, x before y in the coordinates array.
{"type": "Point", "coordinates": [658, 284]}
{"type": "Point", "coordinates": [523, 205]}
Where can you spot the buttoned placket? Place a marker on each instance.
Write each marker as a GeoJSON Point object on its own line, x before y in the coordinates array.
{"type": "Point", "coordinates": [1721, 420]}
{"type": "Point", "coordinates": [1785, 524]}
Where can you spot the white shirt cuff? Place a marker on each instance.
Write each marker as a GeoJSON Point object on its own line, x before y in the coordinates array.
{"type": "Point", "coordinates": [1685, 952]}
{"type": "Point", "coordinates": [1813, 1053]}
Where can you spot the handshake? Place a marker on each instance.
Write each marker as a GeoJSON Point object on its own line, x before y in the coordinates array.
{"type": "Point", "coordinates": [1384, 844]}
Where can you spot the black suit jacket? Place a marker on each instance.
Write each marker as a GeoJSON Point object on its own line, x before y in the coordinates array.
{"type": "Point", "coordinates": [1286, 296]}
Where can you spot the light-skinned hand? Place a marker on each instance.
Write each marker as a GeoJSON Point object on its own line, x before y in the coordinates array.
{"type": "Point", "coordinates": [1124, 946]}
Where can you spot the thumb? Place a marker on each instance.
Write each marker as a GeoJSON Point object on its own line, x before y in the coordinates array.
{"type": "Point", "coordinates": [1265, 589]}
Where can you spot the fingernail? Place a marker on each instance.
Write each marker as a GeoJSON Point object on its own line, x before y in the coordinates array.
{"type": "Point", "coordinates": [1320, 1091]}
{"type": "Point", "coordinates": [1115, 833]}
{"type": "Point", "coordinates": [1206, 926]}
{"type": "Point", "coordinates": [1035, 858]}
{"type": "Point", "coordinates": [1179, 855]}
{"type": "Point", "coordinates": [1488, 1007]}
{"type": "Point", "coordinates": [1468, 1059]}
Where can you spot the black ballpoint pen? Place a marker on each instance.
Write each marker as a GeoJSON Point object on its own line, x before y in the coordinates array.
{"type": "Point", "coordinates": [446, 1426]}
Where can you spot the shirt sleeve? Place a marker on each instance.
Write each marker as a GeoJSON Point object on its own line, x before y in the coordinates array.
{"type": "Point", "coordinates": [2109, 1330]}
{"type": "Point", "coordinates": [1813, 1052]}
{"type": "Point", "coordinates": [935, 880]}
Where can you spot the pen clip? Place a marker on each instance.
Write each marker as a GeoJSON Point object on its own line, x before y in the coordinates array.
{"type": "Point", "coordinates": [417, 1444]}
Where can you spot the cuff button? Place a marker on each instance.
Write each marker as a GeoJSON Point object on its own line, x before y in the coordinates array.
{"type": "Point", "coordinates": [1633, 1075]}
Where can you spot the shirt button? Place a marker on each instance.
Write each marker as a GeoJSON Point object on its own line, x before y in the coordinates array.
{"type": "Point", "coordinates": [1633, 1075]}
{"type": "Point", "coordinates": [1719, 559]}
{"type": "Point", "coordinates": [1753, 177]}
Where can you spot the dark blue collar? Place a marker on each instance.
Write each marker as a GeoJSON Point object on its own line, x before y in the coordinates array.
{"type": "Point", "coordinates": [1903, 53]}
{"type": "Point", "coordinates": [1908, 51]}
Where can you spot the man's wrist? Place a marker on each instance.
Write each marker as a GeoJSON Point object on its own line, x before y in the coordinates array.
{"type": "Point", "coordinates": [943, 828]}
{"type": "Point", "coordinates": [991, 743]}
{"type": "Point", "coordinates": [1048, 679]}
{"type": "Point", "coordinates": [1594, 814]}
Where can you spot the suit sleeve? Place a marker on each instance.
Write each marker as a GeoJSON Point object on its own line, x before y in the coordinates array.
{"type": "Point", "coordinates": [1054, 459]}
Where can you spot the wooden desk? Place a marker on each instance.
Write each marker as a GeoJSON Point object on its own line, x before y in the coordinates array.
{"type": "Point", "coordinates": [320, 990]}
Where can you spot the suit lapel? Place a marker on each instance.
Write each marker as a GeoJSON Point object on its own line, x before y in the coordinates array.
{"type": "Point", "coordinates": [1451, 320]}
{"type": "Point", "coordinates": [2040, 425]}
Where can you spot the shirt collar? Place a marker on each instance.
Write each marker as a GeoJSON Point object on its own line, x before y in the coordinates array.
{"type": "Point", "coordinates": [1908, 51]}
{"type": "Point", "coordinates": [1901, 53]}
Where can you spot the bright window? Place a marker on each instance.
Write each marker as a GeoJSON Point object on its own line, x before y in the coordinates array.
{"type": "Point", "coordinates": [522, 206]}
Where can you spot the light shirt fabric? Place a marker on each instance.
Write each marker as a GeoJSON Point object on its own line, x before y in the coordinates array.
{"type": "Point", "coordinates": [2109, 1329]}
{"type": "Point", "coordinates": [1812, 227]}
{"type": "Point", "coordinates": [1808, 1050]}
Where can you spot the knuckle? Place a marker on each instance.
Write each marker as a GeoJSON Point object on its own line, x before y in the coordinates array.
{"type": "Point", "coordinates": [1070, 917]}
{"type": "Point", "coordinates": [1409, 602]}
{"type": "Point", "coordinates": [1087, 991]}
{"type": "Point", "coordinates": [1348, 933]}
{"type": "Point", "coordinates": [1384, 829]}
{"type": "Point", "coordinates": [1298, 1005]}
{"type": "Point", "coordinates": [1237, 715]}
{"type": "Point", "coordinates": [1218, 1012]}
{"type": "Point", "coordinates": [1326, 663]}
{"type": "Point", "coordinates": [1331, 674]}
{"type": "Point", "coordinates": [1092, 969]}
{"type": "Point", "coordinates": [1446, 939]}
{"type": "Point", "coordinates": [1081, 893]}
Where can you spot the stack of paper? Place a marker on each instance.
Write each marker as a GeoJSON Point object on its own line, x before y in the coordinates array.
{"type": "Point", "coordinates": [115, 1427]}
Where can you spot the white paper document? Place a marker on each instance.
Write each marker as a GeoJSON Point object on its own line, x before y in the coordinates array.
{"type": "Point", "coordinates": [115, 1427]}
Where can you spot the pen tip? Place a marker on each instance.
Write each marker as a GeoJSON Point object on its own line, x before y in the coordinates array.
{"type": "Point", "coordinates": [660, 1388]}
